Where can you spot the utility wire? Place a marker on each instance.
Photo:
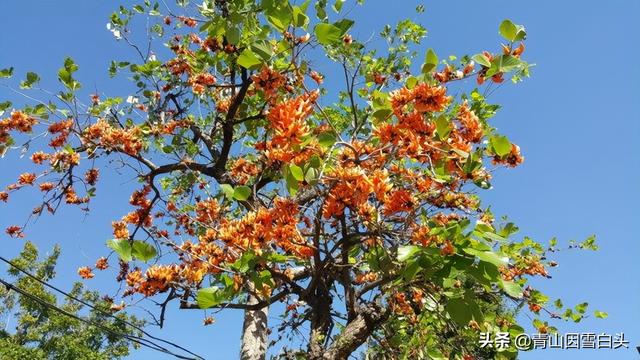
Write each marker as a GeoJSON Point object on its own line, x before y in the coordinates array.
{"type": "Point", "coordinates": [135, 339]}
{"type": "Point", "coordinates": [12, 264]}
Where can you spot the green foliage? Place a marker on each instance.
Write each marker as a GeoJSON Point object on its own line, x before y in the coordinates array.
{"type": "Point", "coordinates": [33, 331]}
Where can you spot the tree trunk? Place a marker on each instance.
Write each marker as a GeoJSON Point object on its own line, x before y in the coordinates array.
{"type": "Point", "coordinates": [254, 333]}
{"type": "Point", "coordinates": [356, 332]}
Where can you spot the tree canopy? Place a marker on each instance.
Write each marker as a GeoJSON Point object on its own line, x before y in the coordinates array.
{"type": "Point", "coordinates": [356, 205]}
{"type": "Point", "coordinates": [35, 327]}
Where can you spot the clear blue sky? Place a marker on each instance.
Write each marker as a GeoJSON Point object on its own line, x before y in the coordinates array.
{"type": "Point", "coordinates": [577, 121]}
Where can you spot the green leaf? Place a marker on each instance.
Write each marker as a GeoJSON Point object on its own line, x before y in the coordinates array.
{"type": "Point", "coordinates": [122, 247]}
{"type": "Point", "coordinates": [292, 182]}
{"type": "Point", "coordinates": [6, 73]}
{"type": "Point", "coordinates": [209, 297]}
{"type": "Point", "coordinates": [32, 78]}
{"type": "Point", "coordinates": [600, 314]}
{"type": "Point", "coordinates": [488, 256]}
{"type": "Point", "coordinates": [326, 139]}
{"type": "Point", "coordinates": [511, 288]}
{"type": "Point", "coordinates": [463, 310]}
{"type": "Point", "coordinates": [311, 176]}
{"type": "Point", "coordinates": [406, 252]}
{"type": "Point", "coordinates": [500, 144]}
{"type": "Point", "coordinates": [279, 13]}
{"type": "Point", "coordinates": [262, 49]}
{"type": "Point", "coordinates": [242, 193]}
{"type": "Point", "coordinates": [143, 251]}
{"type": "Point", "coordinates": [233, 35]}
{"type": "Point", "coordinates": [249, 60]}
{"type": "Point", "coordinates": [328, 33]}
{"type": "Point", "coordinates": [332, 33]}
{"type": "Point", "coordinates": [344, 25]}
{"type": "Point", "coordinates": [430, 61]}
{"type": "Point", "coordinates": [482, 60]}
{"type": "Point", "coordinates": [443, 127]}
{"type": "Point", "coordinates": [296, 172]}
{"type": "Point", "coordinates": [435, 354]}
{"type": "Point", "coordinates": [511, 31]}
{"type": "Point", "coordinates": [300, 19]}
{"type": "Point", "coordinates": [4, 106]}
{"type": "Point", "coordinates": [227, 190]}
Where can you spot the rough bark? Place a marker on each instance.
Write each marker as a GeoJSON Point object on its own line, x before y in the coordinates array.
{"type": "Point", "coordinates": [320, 320]}
{"type": "Point", "coordinates": [254, 333]}
{"type": "Point", "coordinates": [356, 332]}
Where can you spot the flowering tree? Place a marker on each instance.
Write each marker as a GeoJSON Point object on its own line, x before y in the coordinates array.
{"type": "Point", "coordinates": [356, 206]}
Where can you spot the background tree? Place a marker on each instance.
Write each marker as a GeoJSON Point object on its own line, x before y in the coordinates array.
{"type": "Point", "coordinates": [355, 206]}
{"type": "Point", "coordinates": [42, 332]}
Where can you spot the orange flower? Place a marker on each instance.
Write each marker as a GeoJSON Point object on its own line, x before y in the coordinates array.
{"type": "Point", "coordinates": [21, 122]}
{"type": "Point", "coordinates": [91, 176]}
{"type": "Point", "coordinates": [399, 201]}
{"type": "Point", "coordinates": [471, 127]}
{"type": "Point", "coordinates": [4, 196]}
{"type": "Point", "coordinates": [120, 230]}
{"type": "Point", "coordinates": [207, 211]}
{"type": "Point", "coordinates": [26, 179]}
{"type": "Point", "coordinates": [287, 120]}
{"type": "Point", "coordinates": [535, 307]}
{"type": "Point", "coordinates": [316, 77]}
{"type": "Point", "coordinates": [39, 157]}
{"type": "Point", "coordinates": [448, 248]}
{"type": "Point", "coordinates": [85, 272]}
{"type": "Point", "coordinates": [47, 186]}
{"type": "Point", "coordinates": [429, 98]}
{"type": "Point", "coordinates": [209, 320]}
{"type": "Point", "coordinates": [15, 231]}
{"type": "Point", "coordinates": [102, 263]}
{"type": "Point", "coordinates": [190, 22]}
{"type": "Point", "coordinates": [269, 81]}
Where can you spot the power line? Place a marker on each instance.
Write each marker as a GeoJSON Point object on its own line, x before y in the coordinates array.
{"type": "Point", "coordinates": [138, 340]}
{"type": "Point", "coordinates": [157, 347]}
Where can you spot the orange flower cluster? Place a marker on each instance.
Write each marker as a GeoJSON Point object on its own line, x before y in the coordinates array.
{"type": "Point", "coordinates": [287, 120]}
{"type": "Point", "coordinates": [366, 277]}
{"type": "Point", "coordinates": [104, 135]}
{"type": "Point", "coordinates": [17, 121]}
{"type": "Point", "coordinates": [63, 129]}
{"type": "Point", "coordinates": [85, 273]}
{"type": "Point", "coordinates": [269, 81]}
{"type": "Point", "coordinates": [242, 170]}
{"type": "Point", "coordinates": [423, 97]}
{"type": "Point", "coordinates": [200, 82]}
{"type": "Point", "coordinates": [64, 159]}
{"type": "Point", "coordinates": [46, 186]}
{"type": "Point", "coordinates": [4, 196]}
{"type": "Point", "coordinates": [26, 179]}
{"type": "Point", "coordinates": [15, 231]}
{"type": "Point", "coordinates": [351, 190]}
{"type": "Point", "coordinates": [39, 157]}
{"type": "Point", "coordinates": [259, 228]}
{"type": "Point", "coordinates": [71, 197]}
{"type": "Point", "coordinates": [471, 127]}
{"type": "Point", "coordinates": [91, 176]}
{"type": "Point", "coordinates": [513, 159]}
{"type": "Point", "coordinates": [207, 211]}
{"type": "Point", "coordinates": [102, 263]}
{"type": "Point", "coordinates": [531, 266]}
{"type": "Point", "coordinates": [120, 230]}
{"type": "Point", "coordinates": [399, 201]}
{"type": "Point", "coordinates": [188, 21]}
{"type": "Point", "coordinates": [142, 215]}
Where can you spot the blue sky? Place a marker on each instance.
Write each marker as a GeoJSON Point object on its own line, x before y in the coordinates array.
{"type": "Point", "coordinates": [577, 121]}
